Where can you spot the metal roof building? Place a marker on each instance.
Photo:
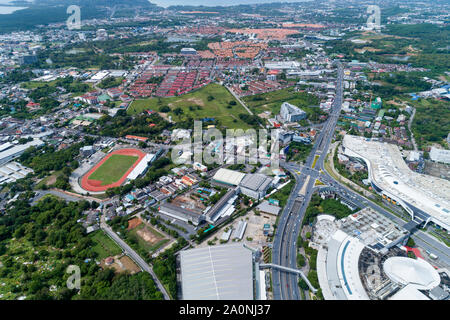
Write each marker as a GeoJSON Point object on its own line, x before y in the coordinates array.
{"type": "Point", "coordinates": [15, 151]}
{"type": "Point", "coordinates": [222, 272]}
{"type": "Point", "coordinates": [266, 207]}
{"type": "Point", "coordinates": [228, 176]}
{"type": "Point", "coordinates": [141, 166]}
{"type": "Point", "coordinates": [255, 185]}
{"type": "Point", "coordinates": [182, 214]}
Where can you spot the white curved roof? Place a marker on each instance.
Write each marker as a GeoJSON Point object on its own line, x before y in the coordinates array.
{"type": "Point", "coordinates": [388, 171]}
{"type": "Point", "coordinates": [229, 176]}
{"type": "Point", "coordinates": [412, 271]}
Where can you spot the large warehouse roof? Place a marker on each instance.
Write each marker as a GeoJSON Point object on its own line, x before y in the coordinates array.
{"type": "Point", "coordinates": [223, 272]}
{"type": "Point", "coordinates": [17, 149]}
{"type": "Point", "coordinates": [412, 271]}
{"type": "Point", "coordinates": [255, 181]}
{"type": "Point", "coordinates": [228, 176]}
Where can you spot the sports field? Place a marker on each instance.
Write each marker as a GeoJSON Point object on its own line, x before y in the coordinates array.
{"type": "Point", "coordinates": [113, 168]}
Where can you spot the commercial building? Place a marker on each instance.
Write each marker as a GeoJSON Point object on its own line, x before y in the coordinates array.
{"type": "Point", "coordinates": [183, 214]}
{"type": "Point", "coordinates": [417, 272]}
{"type": "Point", "coordinates": [222, 272]}
{"type": "Point", "coordinates": [424, 197]}
{"type": "Point", "coordinates": [255, 185]}
{"type": "Point", "coordinates": [440, 155]}
{"type": "Point", "coordinates": [291, 113]}
{"type": "Point", "coordinates": [13, 171]}
{"type": "Point", "coordinates": [266, 207]}
{"type": "Point", "coordinates": [337, 268]}
{"type": "Point", "coordinates": [23, 60]}
{"type": "Point", "coordinates": [98, 76]}
{"type": "Point", "coordinates": [373, 229]}
{"type": "Point", "coordinates": [223, 208]}
{"type": "Point", "coordinates": [228, 177]}
{"type": "Point", "coordinates": [14, 151]}
{"type": "Point", "coordinates": [188, 51]}
{"type": "Point", "coordinates": [340, 246]}
{"type": "Point", "coordinates": [282, 65]}
{"type": "Point", "coordinates": [141, 167]}
{"type": "Point", "coordinates": [240, 230]}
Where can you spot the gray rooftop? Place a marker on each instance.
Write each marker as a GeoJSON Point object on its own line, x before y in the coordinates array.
{"type": "Point", "coordinates": [179, 211]}
{"type": "Point", "coordinates": [266, 207]}
{"type": "Point", "coordinates": [222, 272]}
{"type": "Point", "coordinates": [255, 181]}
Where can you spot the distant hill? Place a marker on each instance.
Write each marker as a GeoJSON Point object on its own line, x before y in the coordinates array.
{"type": "Point", "coordinates": [43, 12]}
{"type": "Point", "coordinates": [93, 3]}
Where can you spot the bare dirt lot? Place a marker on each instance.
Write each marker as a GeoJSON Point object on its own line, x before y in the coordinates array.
{"type": "Point", "coordinates": [129, 264]}
{"type": "Point", "coordinates": [264, 115]}
{"type": "Point", "coordinates": [51, 180]}
{"type": "Point", "coordinates": [188, 202]}
{"type": "Point", "coordinates": [148, 236]}
{"type": "Point", "coordinates": [133, 223]}
{"type": "Point", "coordinates": [122, 263]}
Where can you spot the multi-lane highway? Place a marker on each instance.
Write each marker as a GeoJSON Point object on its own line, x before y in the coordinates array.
{"type": "Point", "coordinates": [284, 250]}
{"type": "Point", "coordinates": [284, 246]}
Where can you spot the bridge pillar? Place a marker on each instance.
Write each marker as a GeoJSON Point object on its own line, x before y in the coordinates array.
{"type": "Point", "coordinates": [426, 222]}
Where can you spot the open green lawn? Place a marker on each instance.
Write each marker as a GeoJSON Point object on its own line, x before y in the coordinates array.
{"type": "Point", "coordinates": [283, 194]}
{"type": "Point", "coordinates": [113, 168]}
{"type": "Point", "coordinates": [197, 106]}
{"type": "Point", "coordinates": [103, 245]}
{"type": "Point", "coordinates": [271, 101]}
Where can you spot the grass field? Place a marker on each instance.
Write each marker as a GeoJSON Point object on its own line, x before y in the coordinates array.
{"type": "Point", "coordinates": [197, 106]}
{"type": "Point", "coordinates": [103, 245]}
{"type": "Point", "coordinates": [316, 157]}
{"type": "Point", "coordinates": [283, 194]}
{"type": "Point", "coordinates": [271, 101]}
{"type": "Point", "coordinates": [113, 168]}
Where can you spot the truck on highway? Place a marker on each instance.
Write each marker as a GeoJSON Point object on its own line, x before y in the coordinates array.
{"type": "Point", "coordinates": [433, 256]}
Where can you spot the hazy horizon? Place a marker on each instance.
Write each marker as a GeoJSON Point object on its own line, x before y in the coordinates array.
{"type": "Point", "coordinates": [213, 3]}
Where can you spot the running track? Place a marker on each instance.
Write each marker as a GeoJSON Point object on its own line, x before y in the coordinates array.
{"type": "Point", "coordinates": [95, 185]}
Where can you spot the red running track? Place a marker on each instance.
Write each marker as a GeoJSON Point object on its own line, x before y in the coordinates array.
{"type": "Point", "coordinates": [95, 185]}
